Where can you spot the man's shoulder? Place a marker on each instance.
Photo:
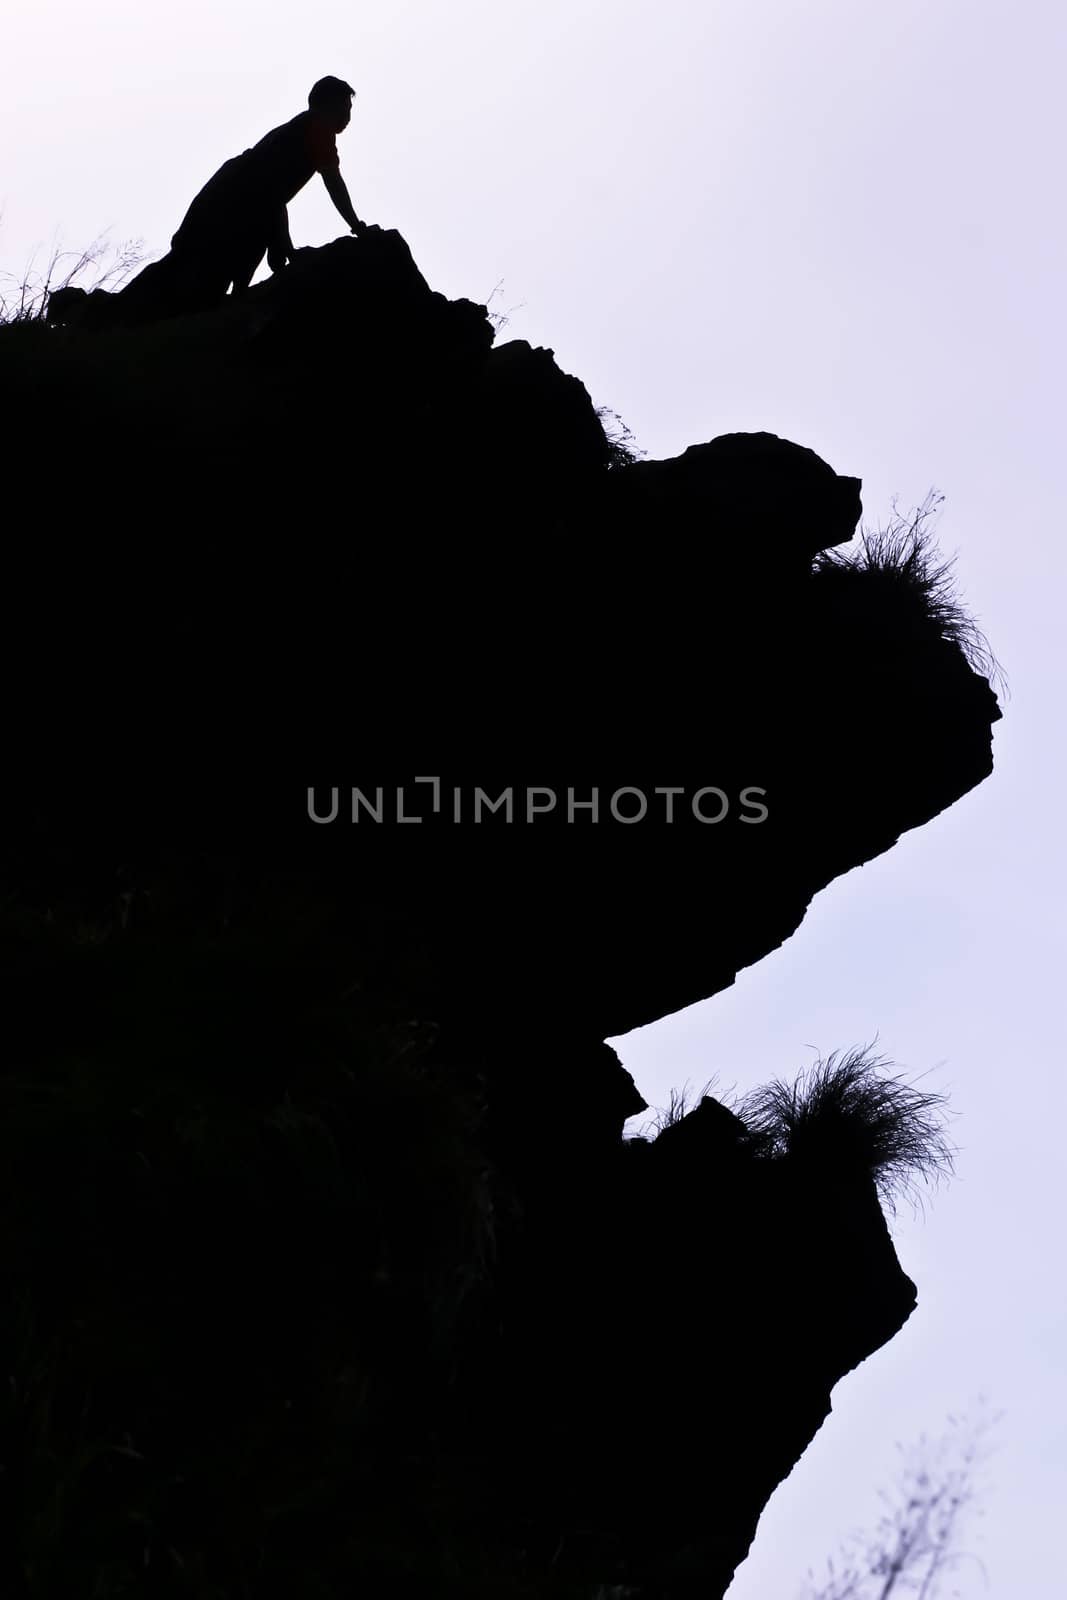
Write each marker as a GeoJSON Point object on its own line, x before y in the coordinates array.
{"type": "Point", "coordinates": [320, 141]}
{"type": "Point", "coordinates": [292, 132]}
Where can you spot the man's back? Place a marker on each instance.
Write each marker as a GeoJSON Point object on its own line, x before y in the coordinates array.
{"type": "Point", "coordinates": [261, 180]}
{"type": "Point", "coordinates": [288, 156]}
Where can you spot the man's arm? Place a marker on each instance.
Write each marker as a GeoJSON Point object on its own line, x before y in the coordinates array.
{"type": "Point", "coordinates": [280, 247]}
{"type": "Point", "coordinates": [337, 190]}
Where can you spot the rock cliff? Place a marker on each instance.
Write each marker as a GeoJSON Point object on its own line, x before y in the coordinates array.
{"type": "Point", "coordinates": [385, 684]}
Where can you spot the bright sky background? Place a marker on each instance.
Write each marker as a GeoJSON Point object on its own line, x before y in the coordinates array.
{"type": "Point", "coordinates": [841, 221]}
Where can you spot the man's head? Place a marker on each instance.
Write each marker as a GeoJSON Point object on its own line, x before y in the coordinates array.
{"type": "Point", "coordinates": [331, 98]}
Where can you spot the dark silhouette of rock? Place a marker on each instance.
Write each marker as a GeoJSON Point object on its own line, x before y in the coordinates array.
{"type": "Point", "coordinates": [745, 487]}
{"type": "Point", "coordinates": [640, 723]}
{"type": "Point", "coordinates": [526, 396]}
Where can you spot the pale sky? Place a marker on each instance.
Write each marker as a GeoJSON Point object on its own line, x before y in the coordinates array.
{"type": "Point", "coordinates": [840, 221]}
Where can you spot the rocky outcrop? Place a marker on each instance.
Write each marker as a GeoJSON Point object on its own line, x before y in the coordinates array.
{"type": "Point", "coordinates": [744, 489]}
{"type": "Point", "coordinates": [696, 1356]}
{"type": "Point", "coordinates": [548, 748]}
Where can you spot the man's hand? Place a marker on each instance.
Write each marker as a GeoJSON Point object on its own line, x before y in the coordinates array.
{"type": "Point", "coordinates": [358, 228]}
{"type": "Point", "coordinates": [278, 256]}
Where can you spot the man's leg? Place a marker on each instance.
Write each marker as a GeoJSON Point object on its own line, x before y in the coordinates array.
{"type": "Point", "coordinates": [198, 280]}
{"type": "Point", "coordinates": [149, 295]}
{"type": "Point", "coordinates": [245, 259]}
{"type": "Point", "coordinates": [211, 211]}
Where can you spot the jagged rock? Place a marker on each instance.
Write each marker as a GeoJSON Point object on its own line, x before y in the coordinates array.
{"type": "Point", "coordinates": [712, 1130]}
{"type": "Point", "coordinates": [529, 405]}
{"type": "Point", "coordinates": [698, 1242]}
{"type": "Point", "coordinates": [745, 488]}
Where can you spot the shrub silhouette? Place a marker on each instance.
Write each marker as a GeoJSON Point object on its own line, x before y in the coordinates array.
{"type": "Point", "coordinates": [900, 566]}
{"type": "Point", "coordinates": [31, 293]}
{"type": "Point", "coordinates": [916, 1544]}
{"type": "Point", "coordinates": [845, 1113]}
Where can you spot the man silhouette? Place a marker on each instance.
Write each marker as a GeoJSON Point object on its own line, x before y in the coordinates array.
{"type": "Point", "coordinates": [240, 214]}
